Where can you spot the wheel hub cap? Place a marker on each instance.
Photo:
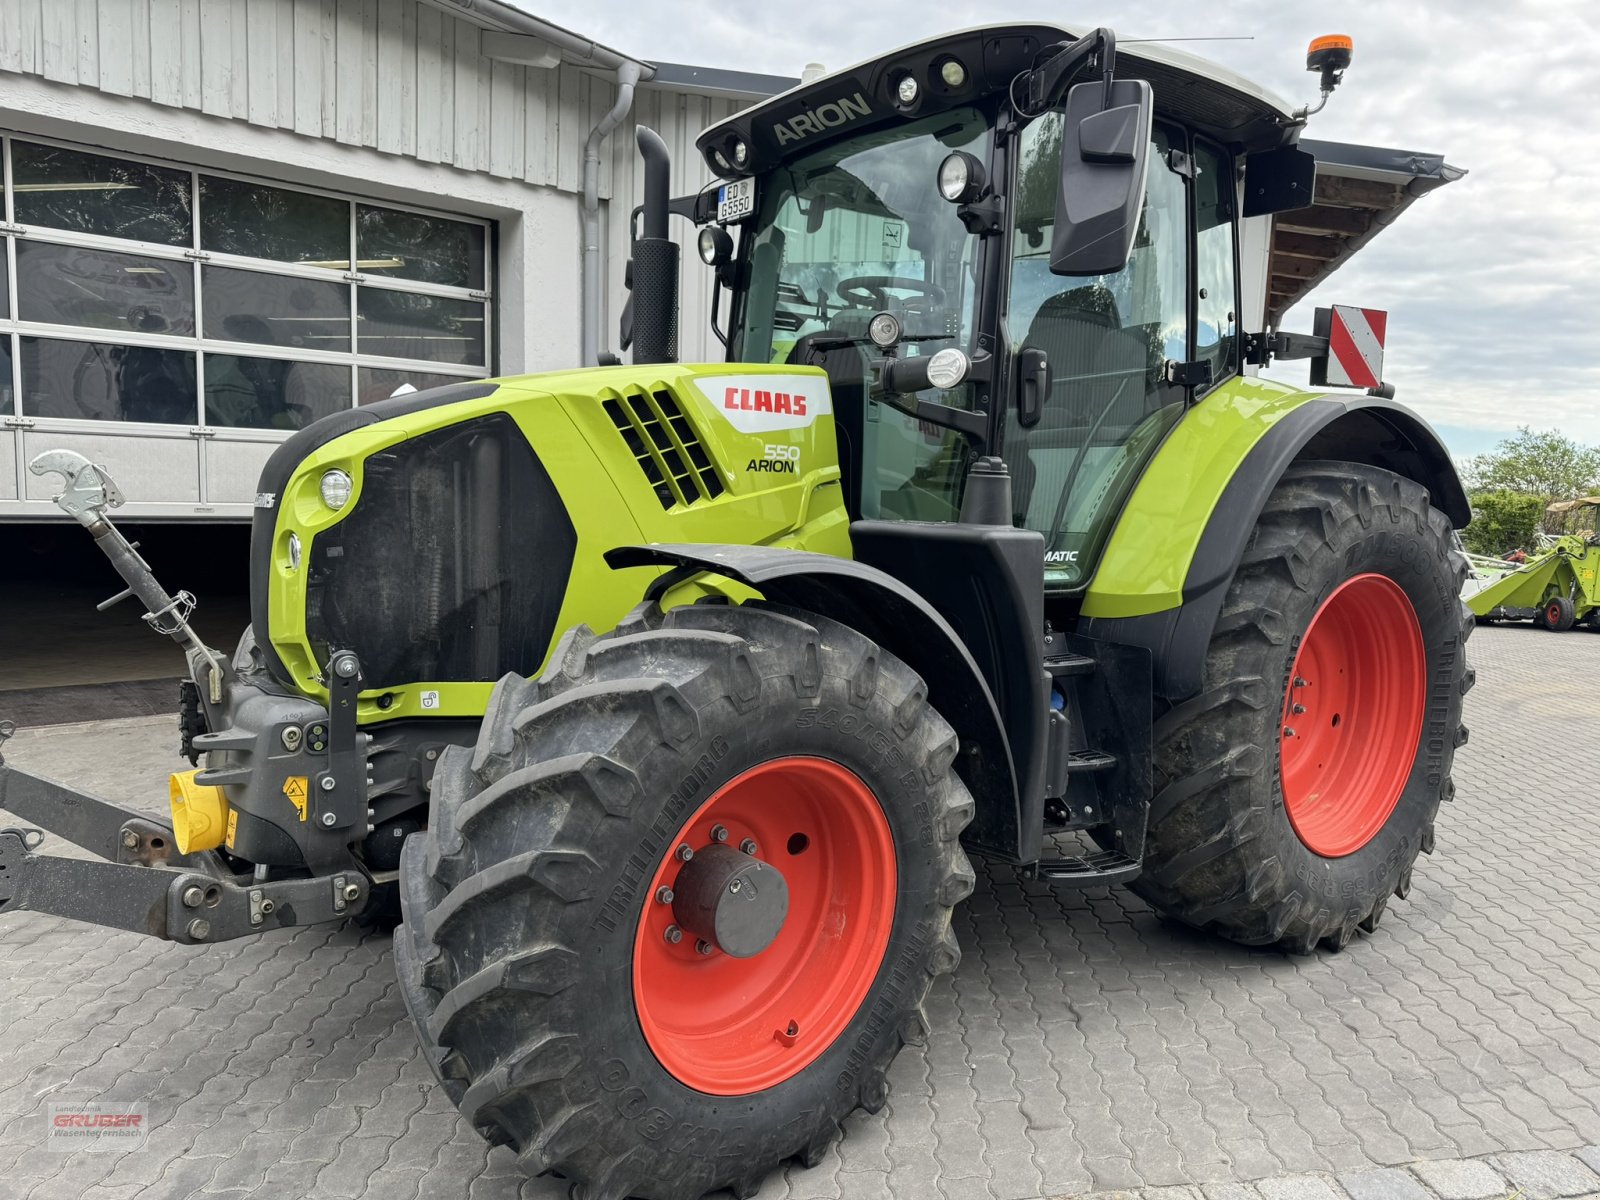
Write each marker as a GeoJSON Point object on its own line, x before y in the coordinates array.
{"type": "Point", "coordinates": [731, 900]}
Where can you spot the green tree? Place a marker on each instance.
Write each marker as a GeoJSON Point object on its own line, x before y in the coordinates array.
{"type": "Point", "coordinates": [1546, 464]}
{"type": "Point", "coordinates": [1502, 521]}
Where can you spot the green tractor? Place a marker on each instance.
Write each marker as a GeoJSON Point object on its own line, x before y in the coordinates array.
{"type": "Point", "coordinates": [671, 700]}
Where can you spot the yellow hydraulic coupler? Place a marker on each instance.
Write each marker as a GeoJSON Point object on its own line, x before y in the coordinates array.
{"type": "Point", "coordinates": [200, 815]}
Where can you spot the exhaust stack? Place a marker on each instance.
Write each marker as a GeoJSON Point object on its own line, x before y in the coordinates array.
{"type": "Point", "coordinates": [655, 261]}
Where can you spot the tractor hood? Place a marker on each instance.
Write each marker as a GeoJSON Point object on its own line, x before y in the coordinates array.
{"type": "Point", "coordinates": [446, 537]}
{"type": "Point", "coordinates": [858, 98]}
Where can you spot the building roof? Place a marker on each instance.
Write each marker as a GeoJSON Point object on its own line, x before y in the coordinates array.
{"type": "Point", "coordinates": [1360, 191]}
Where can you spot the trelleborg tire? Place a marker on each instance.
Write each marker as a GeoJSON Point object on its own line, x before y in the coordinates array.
{"type": "Point", "coordinates": [573, 1000]}
{"type": "Point", "coordinates": [1294, 792]}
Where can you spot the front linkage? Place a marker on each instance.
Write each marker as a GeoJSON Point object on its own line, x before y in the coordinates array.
{"type": "Point", "coordinates": [140, 882]}
{"type": "Point", "coordinates": [141, 878]}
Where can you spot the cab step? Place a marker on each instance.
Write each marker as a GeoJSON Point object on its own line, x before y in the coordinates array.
{"type": "Point", "coordinates": [1069, 665]}
{"type": "Point", "coordinates": [1109, 868]}
{"type": "Point", "coordinates": [1085, 761]}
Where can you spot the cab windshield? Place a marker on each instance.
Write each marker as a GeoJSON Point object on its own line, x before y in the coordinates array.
{"type": "Point", "coordinates": [856, 228]}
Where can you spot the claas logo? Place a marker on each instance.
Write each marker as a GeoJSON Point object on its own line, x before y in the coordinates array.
{"type": "Point", "coordinates": [756, 400]}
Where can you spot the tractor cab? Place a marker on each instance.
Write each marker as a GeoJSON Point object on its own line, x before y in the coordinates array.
{"type": "Point", "coordinates": [1010, 242]}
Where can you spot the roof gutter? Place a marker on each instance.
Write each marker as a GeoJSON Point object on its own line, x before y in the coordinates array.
{"type": "Point", "coordinates": [585, 51]}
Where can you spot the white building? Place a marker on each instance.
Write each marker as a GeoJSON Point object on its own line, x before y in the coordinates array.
{"type": "Point", "coordinates": [224, 218]}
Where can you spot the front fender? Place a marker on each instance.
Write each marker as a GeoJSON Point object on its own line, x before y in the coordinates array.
{"type": "Point", "coordinates": [903, 623]}
{"type": "Point", "coordinates": [1168, 564]}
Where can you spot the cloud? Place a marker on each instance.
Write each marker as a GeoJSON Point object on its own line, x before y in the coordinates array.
{"type": "Point", "coordinates": [1492, 283]}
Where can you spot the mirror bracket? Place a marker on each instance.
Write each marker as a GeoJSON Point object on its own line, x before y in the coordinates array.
{"type": "Point", "coordinates": [1196, 374]}
{"type": "Point", "coordinates": [983, 217]}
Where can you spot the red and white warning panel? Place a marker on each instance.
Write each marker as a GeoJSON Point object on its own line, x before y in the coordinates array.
{"type": "Point", "coordinates": [1355, 346]}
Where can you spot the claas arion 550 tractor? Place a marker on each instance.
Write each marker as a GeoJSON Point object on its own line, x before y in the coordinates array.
{"type": "Point", "coordinates": [671, 700]}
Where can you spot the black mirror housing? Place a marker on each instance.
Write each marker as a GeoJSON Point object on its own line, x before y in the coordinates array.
{"type": "Point", "coordinates": [1279, 181]}
{"type": "Point", "coordinates": [1105, 160]}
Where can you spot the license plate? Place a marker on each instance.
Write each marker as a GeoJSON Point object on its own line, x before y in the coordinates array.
{"type": "Point", "coordinates": [736, 201]}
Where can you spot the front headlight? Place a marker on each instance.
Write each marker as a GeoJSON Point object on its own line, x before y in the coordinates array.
{"type": "Point", "coordinates": [336, 488]}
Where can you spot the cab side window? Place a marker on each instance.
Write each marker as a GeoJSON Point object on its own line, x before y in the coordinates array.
{"type": "Point", "coordinates": [1217, 327]}
{"type": "Point", "coordinates": [1108, 338]}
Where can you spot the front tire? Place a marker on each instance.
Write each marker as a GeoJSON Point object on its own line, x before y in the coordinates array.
{"type": "Point", "coordinates": [1294, 793]}
{"type": "Point", "coordinates": [593, 996]}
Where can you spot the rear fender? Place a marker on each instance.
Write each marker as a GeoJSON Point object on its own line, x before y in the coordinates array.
{"type": "Point", "coordinates": [903, 623]}
{"type": "Point", "coordinates": [1257, 431]}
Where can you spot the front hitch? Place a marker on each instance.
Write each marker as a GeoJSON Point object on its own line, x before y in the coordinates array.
{"type": "Point", "coordinates": [139, 881]}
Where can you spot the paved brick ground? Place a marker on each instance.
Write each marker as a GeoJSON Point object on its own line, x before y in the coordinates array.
{"type": "Point", "coordinates": [1083, 1046]}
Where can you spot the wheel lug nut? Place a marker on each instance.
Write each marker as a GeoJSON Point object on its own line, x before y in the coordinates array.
{"type": "Point", "coordinates": [1298, 682]}
{"type": "Point", "coordinates": [1287, 732]}
{"type": "Point", "coordinates": [719, 833]}
{"type": "Point", "coordinates": [673, 934]}
{"type": "Point", "coordinates": [1298, 709]}
{"type": "Point", "coordinates": [735, 886]}
{"type": "Point", "coordinates": [664, 894]}
{"type": "Point", "coordinates": [749, 846]}
{"type": "Point", "coordinates": [685, 852]}
{"type": "Point", "coordinates": [702, 947]}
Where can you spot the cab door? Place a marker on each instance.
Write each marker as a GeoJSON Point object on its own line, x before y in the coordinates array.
{"type": "Point", "coordinates": [1125, 349]}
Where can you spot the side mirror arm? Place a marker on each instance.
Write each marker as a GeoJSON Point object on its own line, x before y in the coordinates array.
{"type": "Point", "coordinates": [1047, 83]}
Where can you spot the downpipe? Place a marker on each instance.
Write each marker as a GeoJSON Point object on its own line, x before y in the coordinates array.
{"type": "Point", "coordinates": [627, 79]}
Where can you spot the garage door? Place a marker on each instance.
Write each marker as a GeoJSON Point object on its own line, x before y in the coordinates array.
{"type": "Point", "coordinates": [175, 324]}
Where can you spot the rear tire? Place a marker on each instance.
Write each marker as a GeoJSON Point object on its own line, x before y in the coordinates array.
{"type": "Point", "coordinates": [1227, 850]}
{"type": "Point", "coordinates": [536, 956]}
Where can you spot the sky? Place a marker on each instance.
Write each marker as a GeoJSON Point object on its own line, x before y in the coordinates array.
{"type": "Point", "coordinates": [1492, 283]}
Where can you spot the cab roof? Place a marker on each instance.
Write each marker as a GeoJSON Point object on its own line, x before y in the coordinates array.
{"type": "Point", "coordinates": [1189, 89]}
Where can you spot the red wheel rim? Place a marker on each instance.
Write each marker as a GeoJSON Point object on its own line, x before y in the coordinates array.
{"type": "Point", "coordinates": [1552, 614]}
{"type": "Point", "coordinates": [1353, 715]}
{"type": "Point", "coordinates": [730, 1026]}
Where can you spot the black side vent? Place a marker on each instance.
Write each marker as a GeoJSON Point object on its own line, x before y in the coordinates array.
{"type": "Point", "coordinates": [666, 446]}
